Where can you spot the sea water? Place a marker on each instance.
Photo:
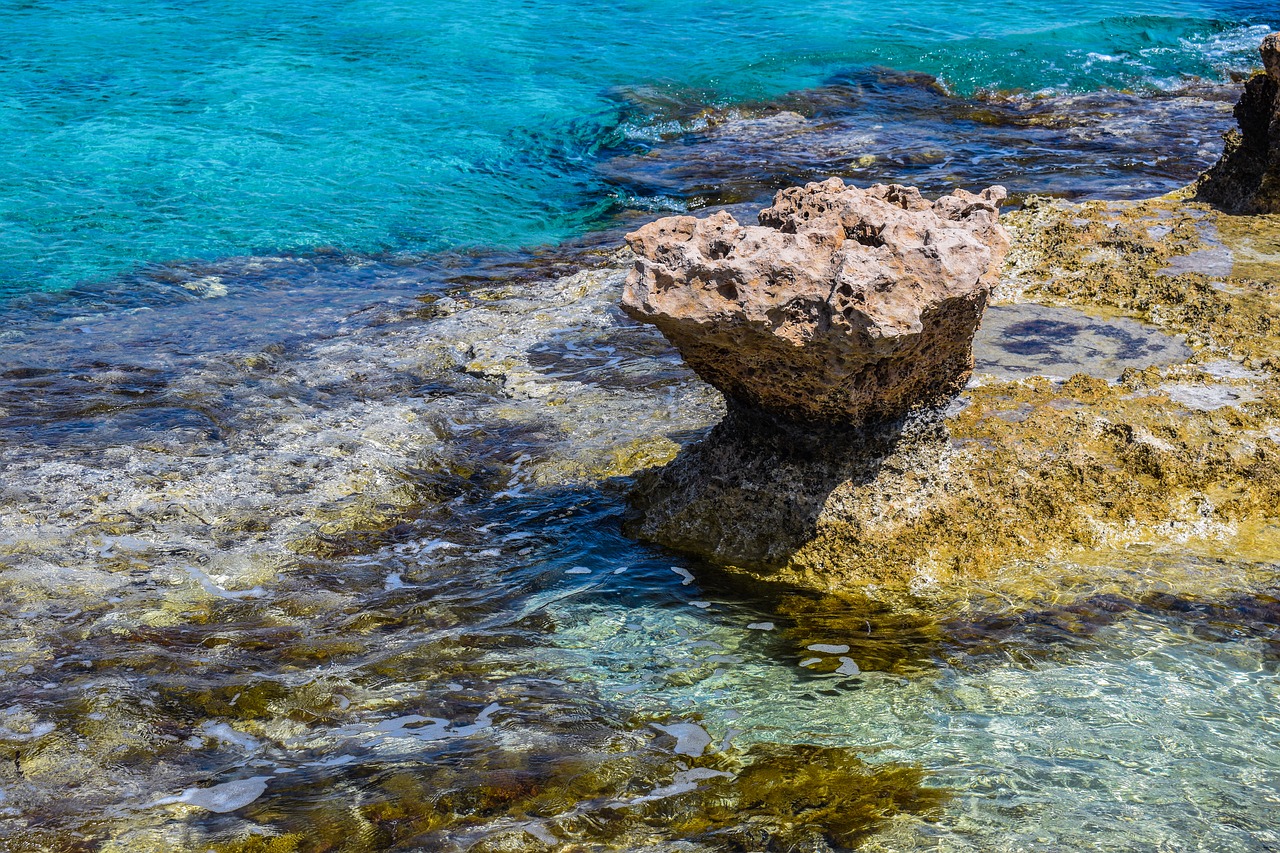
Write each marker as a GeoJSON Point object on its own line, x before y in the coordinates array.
{"type": "Point", "coordinates": [154, 131]}
{"type": "Point", "coordinates": [309, 515]}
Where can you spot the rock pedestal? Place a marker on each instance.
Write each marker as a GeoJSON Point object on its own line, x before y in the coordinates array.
{"type": "Point", "coordinates": [1246, 179]}
{"type": "Point", "coordinates": [835, 328]}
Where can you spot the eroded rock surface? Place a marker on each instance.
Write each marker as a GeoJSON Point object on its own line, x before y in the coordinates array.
{"type": "Point", "coordinates": [1023, 476]}
{"type": "Point", "coordinates": [1247, 177]}
{"type": "Point", "coordinates": [843, 306]}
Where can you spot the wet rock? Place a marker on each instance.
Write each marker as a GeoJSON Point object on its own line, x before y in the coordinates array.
{"type": "Point", "coordinates": [843, 306]}
{"type": "Point", "coordinates": [1247, 177]}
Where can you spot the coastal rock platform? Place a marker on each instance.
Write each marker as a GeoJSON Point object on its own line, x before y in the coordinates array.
{"type": "Point", "coordinates": [1025, 482]}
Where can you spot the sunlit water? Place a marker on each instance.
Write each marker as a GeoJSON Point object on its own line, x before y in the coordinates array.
{"type": "Point", "coordinates": [154, 131]}
{"type": "Point", "coordinates": [319, 549]}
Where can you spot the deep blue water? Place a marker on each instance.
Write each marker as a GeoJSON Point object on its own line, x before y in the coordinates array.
{"type": "Point", "coordinates": [153, 131]}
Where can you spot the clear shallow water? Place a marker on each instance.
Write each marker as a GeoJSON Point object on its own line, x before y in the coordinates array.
{"type": "Point", "coordinates": [361, 587]}
{"type": "Point", "coordinates": [319, 550]}
{"type": "Point", "coordinates": [153, 131]}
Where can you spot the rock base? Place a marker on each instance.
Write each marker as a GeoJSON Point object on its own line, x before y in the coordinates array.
{"type": "Point", "coordinates": [1035, 485]}
{"type": "Point", "coordinates": [754, 492]}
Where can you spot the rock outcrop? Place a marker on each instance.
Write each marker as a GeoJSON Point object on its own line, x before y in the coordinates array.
{"type": "Point", "coordinates": [844, 306]}
{"type": "Point", "coordinates": [1167, 475]}
{"type": "Point", "coordinates": [1246, 179]}
{"type": "Point", "coordinates": [836, 329]}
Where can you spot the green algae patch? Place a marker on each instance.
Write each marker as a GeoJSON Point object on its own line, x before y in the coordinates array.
{"type": "Point", "coordinates": [770, 797]}
{"type": "Point", "coordinates": [1254, 242]}
{"type": "Point", "coordinates": [620, 460]}
{"type": "Point", "coordinates": [793, 793]}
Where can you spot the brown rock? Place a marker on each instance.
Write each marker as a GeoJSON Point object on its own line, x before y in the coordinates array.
{"type": "Point", "coordinates": [1246, 179]}
{"type": "Point", "coordinates": [842, 306]}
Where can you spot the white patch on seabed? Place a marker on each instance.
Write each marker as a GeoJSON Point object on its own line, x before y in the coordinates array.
{"type": "Point", "coordinates": [207, 584]}
{"type": "Point", "coordinates": [682, 782]}
{"type": "Point", "coordinates": [224, 733]}
{"type": "Point", "coordinates": [227, 797]}
{"type": "Point", "coordinates": [691, 738]}
{"type": "Point", "coordinates": [1206, 398]}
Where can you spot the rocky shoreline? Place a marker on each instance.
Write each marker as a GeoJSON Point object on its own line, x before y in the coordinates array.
{"type": "Point", "coordinates": [1017, 476]}
{"type": "Point", "coordinates": [365, 549]}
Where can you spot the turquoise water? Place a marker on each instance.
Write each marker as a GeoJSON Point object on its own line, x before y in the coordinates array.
{"type": "Point", "coordinates": [158, 131]}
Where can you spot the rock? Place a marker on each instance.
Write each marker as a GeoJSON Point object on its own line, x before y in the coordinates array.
{"type": "Point", "coordinates": [1247, 177]}
{"type": "Point", "coordinates": [842, 307]}
{"type": "Point", "coordinates": [1026, 485]}
{"type": "Point", "coordinates": [756, 493]}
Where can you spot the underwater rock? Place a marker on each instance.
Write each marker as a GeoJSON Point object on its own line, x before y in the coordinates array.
{"type": "Point", "coordinates": [843, 306]}
{"type": "Point", "coordinates": [1247, 177]}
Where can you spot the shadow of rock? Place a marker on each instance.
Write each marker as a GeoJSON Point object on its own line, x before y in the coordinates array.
{"type": "Point", "coordinates": [751, 493]}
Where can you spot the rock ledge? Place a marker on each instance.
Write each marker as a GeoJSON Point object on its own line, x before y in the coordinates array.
{"type": "Point", "coordinates": [1246, 179]}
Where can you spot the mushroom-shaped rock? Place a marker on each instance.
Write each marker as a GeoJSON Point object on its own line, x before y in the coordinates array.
{"type": "Point", "coordinates": [1246, 179]}
{"type": "Point", "coordinates": [843, 306]}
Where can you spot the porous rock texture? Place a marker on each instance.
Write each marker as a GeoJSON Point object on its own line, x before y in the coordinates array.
{"type": "Point", "coordinates": [844, 306]}
{"type": "Point", "coordinates": [1030, 487]}
{"type": "Point", "coordinates": [1246, 179]}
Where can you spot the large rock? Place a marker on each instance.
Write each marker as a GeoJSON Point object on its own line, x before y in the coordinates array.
{"type": "Point", "coordinates": [842, 307]}
{"type": "Point", "coordinates": [1247, 177]}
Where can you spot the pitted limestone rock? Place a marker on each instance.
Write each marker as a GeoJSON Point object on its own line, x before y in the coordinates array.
{"type": "Point", "coordinates": [843, 306]}
{"type": "Point", "coordinates": [1246, 179]}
